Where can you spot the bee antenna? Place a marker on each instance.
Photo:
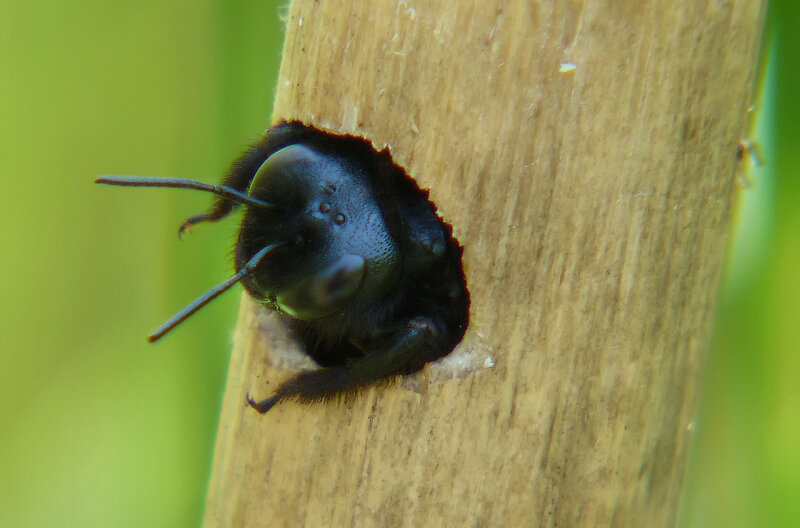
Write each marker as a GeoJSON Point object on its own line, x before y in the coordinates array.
{"type": "Point", "coordinates": [179, 183]}
{"type": "Point", "coordinates": [212, 294]}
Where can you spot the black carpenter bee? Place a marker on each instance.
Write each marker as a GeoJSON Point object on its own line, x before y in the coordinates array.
{"type": "Point", "coordinates": [346, 248]}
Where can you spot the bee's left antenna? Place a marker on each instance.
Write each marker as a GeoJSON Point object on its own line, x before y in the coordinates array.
{"type": "Point", "coordinates": [179, 183]}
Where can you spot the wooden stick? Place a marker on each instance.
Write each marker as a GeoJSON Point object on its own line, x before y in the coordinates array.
{"type": "Point", "coordinates": [585, 153]}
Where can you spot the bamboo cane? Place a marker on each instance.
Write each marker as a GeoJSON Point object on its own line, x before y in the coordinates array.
{"type": "Point", "coordinates": [585, 153]}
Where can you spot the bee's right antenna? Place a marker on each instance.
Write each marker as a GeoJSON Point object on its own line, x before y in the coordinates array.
{"type": "Point", "coordinates": [212, 293]}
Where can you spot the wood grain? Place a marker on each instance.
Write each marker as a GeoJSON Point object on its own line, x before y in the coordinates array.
{"type": "Point", "coordinates": [594, 205]}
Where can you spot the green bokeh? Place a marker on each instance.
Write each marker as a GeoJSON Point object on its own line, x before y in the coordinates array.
{"type": "Point", "coordinates": [101, 429]}
{"type": "Point", "coordinates": [745, 466]}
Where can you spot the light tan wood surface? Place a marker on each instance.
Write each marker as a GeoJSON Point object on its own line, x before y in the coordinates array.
{"type": "Point", "coordinates": [594, 204]}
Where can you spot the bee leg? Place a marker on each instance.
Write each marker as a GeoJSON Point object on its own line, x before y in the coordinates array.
{"type": "Point", "coordinates": [406, 351]}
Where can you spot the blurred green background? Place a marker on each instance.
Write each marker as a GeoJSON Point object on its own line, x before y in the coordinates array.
{"type": "Point", "coordinates": [100, 429]}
